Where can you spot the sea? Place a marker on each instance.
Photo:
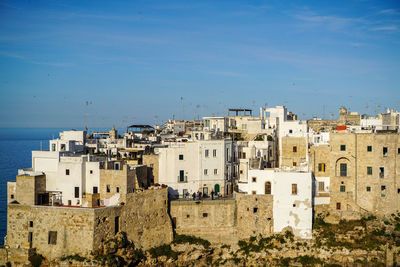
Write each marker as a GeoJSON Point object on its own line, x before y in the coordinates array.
{"type": "Point", "coordinates": [16, 145]}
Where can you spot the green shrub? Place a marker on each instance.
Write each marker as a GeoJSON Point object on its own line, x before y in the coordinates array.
{"type": "Point", "coordinates": [36, 260]}
{"type": "Point", "coordinates": [181, 239]}
{"type": "Point", "coordinates": [163, 250]}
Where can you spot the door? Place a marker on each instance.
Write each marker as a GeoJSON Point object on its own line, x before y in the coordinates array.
{"type": "Point", "coordinates": [216, 188]}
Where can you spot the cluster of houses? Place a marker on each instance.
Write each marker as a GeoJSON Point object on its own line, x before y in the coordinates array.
{"type": "Point", "coordinates": [346, 166]}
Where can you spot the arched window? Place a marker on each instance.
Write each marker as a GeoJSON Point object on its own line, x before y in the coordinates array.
{"type": "Point", "coordinates": [268, 188]}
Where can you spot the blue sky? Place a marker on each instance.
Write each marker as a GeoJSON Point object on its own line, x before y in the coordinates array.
{"type": "Point", "coordinates": [147, 61]}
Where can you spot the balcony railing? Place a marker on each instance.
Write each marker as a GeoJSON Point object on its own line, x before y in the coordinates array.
{"type": "Point", "coordinates": [182, 179]}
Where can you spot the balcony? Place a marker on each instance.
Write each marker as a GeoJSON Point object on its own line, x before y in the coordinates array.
{"type": "Point", "coordinates": [182, 179]}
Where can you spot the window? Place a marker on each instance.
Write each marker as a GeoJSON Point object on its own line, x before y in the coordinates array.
{"type": "Point", "coordinates": [180, 157]}
{"type": "Point", "coordinates": [66, 171]}
{"type": "Point", "coordinates": [244, 126]}
{"type": "Point", "coordinates": [30, 223]}
{"type": "Point", "coordinates": [52, 238]}
{"type": "Point", "coordinates": [116, 224]}
{"type": "Point", "coordinates": [117, 189]}
{"type": "Point", "coordinates": [241, 171]}
{"type": "Point", "coordinates": [214, 153]}
{"type": "Point", "coordinates": [398, 150]}
{"type": "Point", "coordinates": [268, 188]}
{"type": "Point", "coordinates": [381, 172]}
{"type": "Point", "coordinates": [294, 189]}
{"type": "Point", "coordinates": [53, 147]}
{"type": "Point", "coordinates": [321, 167]}
{"type": "Point", "coordinates": [30, 237]}
{"type": "Point", "coordinates": [254, 192]}
{"type": "Point", "coordinates": [181, 175]}
{"type": "Point", "coordinates": [385, 151]}
{"type": "Point", "coordinates": [205, 171]}
{"type": "Point", "coordinates": [342, 188]}
{"type": "Point", "coordinates": [255, 210]}
{"type": "Point", "coordinates": [290, 131]}
{"type": "Point", "coordinates": [108, 188]}
{"type": "Point", "coordinates": [295, 149]}
{"type": "Point", "coordinates": [369, 170]}
{"type": "Point", "coordinates": [215, 171]}
{"type": "Point", "coordinates": [368, 189]}
{"type": "Point", "coordinates": [342, 147]}
{"type": "Point", "coordinates": [383, 191]}
{"type": "Point", "coordinates": [205, 214]}
{"type": "Point", "coordinates": [12, 196]}
{"type": "Point", "coordinates": [254, 179]}
{"type": "Point", "coordinates": [294, 163]}
{"type": "Point", "coordinates": [62, 147]}
{"type": "Point", "coordinates": [95, 190]}
{"type": "Point", "coordinates": [369, 148]}
{"type": "Point", "coordinates": [343, 169]}
{"type": "Point", "coordinates": [91, 171]}
{"type": "Point", "coordinates": [398, 190]}
{"type": "Point", "coordinates": [338, 206]}
{"type": "Point", "coordinates": [321, 186]}
{"type": "Point", "coordinates": [206, 153]}
{"type": "Point", "coordinates": [76, 192]}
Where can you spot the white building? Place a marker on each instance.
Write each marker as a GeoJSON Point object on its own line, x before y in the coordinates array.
{"type": "Point", "coordinates": [202, 165]}
{"type": "Point", "coordinates": [216, 124]}
{"type": "Point", "coordinates": [68, 172]}
{"type": "Point", "coordinates": [292, 192]}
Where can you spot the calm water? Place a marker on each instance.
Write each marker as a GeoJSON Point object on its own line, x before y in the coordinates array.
{"type": "Point", "coordinates": [15, 153]}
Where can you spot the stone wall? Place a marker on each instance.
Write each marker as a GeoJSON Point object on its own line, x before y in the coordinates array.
{"type": "Point", "coordinates": [28, 187]}
{"type": "Point", "coordinates": [81, 231]}
{"type": "Point", "coordinates": [213, 220]}
{"type": "Point", "coordinates": [151, 161]}
{"type": "Point", "coordinates": [145, 218]}
{"type": "Point", "coordinates": [72, 227]}
{"type": "Point", "coordinates": [294, 151]}
{"type": "Point", "coordinates": [254, 215]}
{"type": "Point", "coordinates": [224, 221]}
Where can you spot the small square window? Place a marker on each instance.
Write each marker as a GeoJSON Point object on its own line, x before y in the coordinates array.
{"type": "Point", "coordinates": [398, 190]}
{"type": "Point", "coordinates": [187, 216]}
{"type": "Point", "coordinates": [255, 210]}
{"type": "Point", "coordinates": [91, 171]}
{"type": "Point", "coordinates": [180, 157]}
{"type": "Point", "coordinates": [12, 196]}
{"type": "Point", "coordinates": [369, 170]}
{"type": "Point", "coordinates": [241, 171]}
{"type": "Point", "coordinates": [294, 205]}
{"type": "Point", "coordinates": [290, 131]}
{"type": "Point", "coordinates": [342, 188]}
{"type": "Point", "coordinates": [30, 223]}
{"type": "Point", "coordinates": [205, 214]}
{"type": "Point", "coordinates": [294, 163]}
{"type": "Point", "coordinates": [254, 192]}
{"type": "Point", "coordinates": [66, 171]}
{"type": "Point", "coordinates": [254, 179]}
{"type": "Point", "coordinates": [368, 189]}
{"type": "Point", "coordinates": [369, 148]}
{"type": "Point", "coordinates": [342, 147]}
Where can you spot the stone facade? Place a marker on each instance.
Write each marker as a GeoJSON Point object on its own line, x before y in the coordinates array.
{"type": "Point", "coordinates": [224, 221]}
{"type": "Point", "coordinates": [294, 151]}
{"type": "Point", "coordinates": [151, 161]}
{"type": "Point", "coordinates": [364, 171]}
{"type": "Point", "coordinates": [29, 187]}
{"type": "Point", "coordinates": [115, 184]}
{"type": "Point", "coordinates": [61, 231]}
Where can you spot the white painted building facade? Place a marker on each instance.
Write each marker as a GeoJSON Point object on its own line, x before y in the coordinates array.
{"type": "Point", "coordinates": [292, 193]}
{"type": "Point", "coordinates": [202, 165]}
